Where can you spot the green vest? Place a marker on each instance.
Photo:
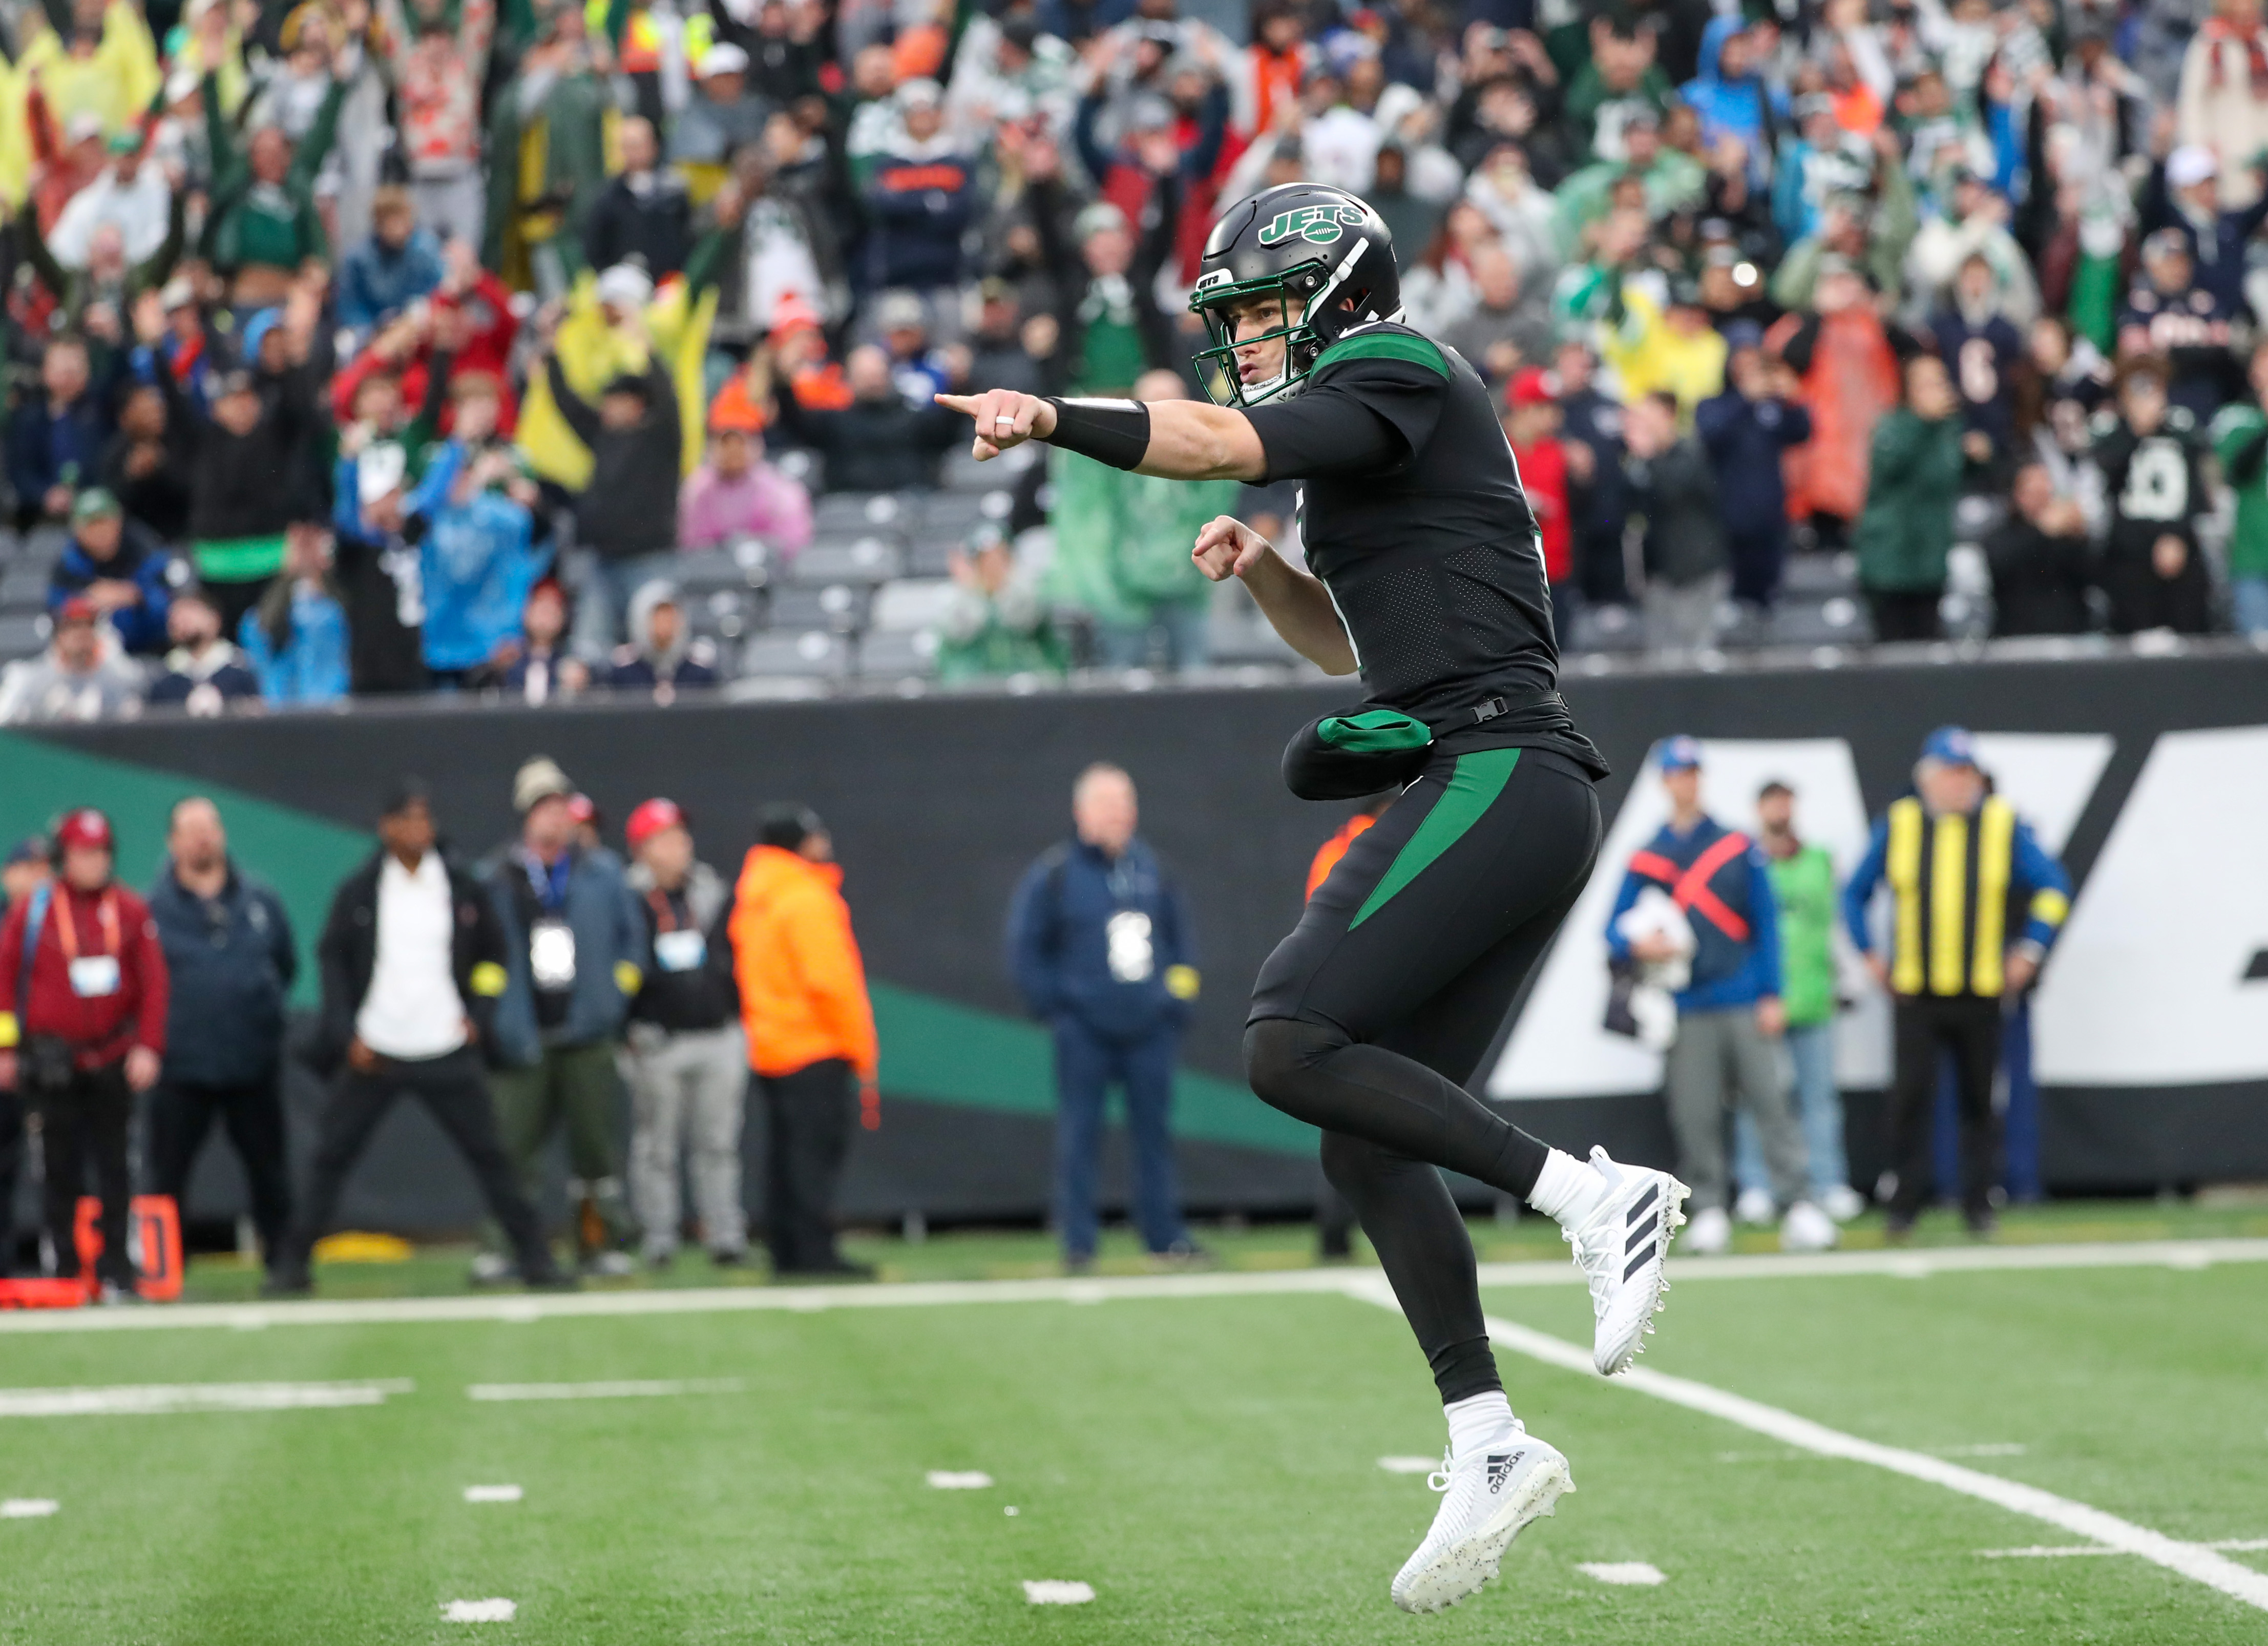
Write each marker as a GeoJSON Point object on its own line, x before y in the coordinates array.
{"type": "Point", "coordinates": [1804, 886]}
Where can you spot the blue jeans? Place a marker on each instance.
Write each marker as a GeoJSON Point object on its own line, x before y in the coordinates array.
{"type": "Point", "coordinates": [2251, 604]}
{"type": "Point", "coordinates": [1818, 1110]}
{"type": "Point", "coordinates": [602, 597]}
{"type": "Point", "coordinates": [1087, 1065]}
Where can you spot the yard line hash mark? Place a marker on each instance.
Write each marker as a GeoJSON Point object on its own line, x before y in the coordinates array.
{"type": "Point", "coordinates": [152, 1400]}
{"type": "Point", "coordinates": [619, 1389]}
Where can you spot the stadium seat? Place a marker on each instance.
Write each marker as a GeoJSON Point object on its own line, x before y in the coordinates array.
{"type": "Point", "coordinates": [1820, 574]}
{"type": "Point", "coordinates": [843, 514]}
{"type": "Point", "coordinates": [807, 469]}
{"type": "Point", "coordinates": [963, 473]}
{"type": "Point", "coordinates": [900, 652]}
{"type": "Point", "coordinates": [22, 634]}
{"type": "Point", "coordinates": [870, 559]}
{"type": "Point", "coordinates": [24, 587]}
{"type": "Point", "coordinates": [725, 616]}
{"type": "Point", "coordinates": [957, 513]}
{"type": "Point", "coordinates": [811, 652]}
{"type": "Point", "coordinates": [745, 564]}
{"type": "Point", "coordinates": [841, 607]}
{"type": "Point", "coordinates": [912, 602]}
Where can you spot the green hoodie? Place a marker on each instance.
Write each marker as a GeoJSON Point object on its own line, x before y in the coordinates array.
{"type": "Point", "coordinates": [1912, 484]}
{"type": "Point", "coordinates": [2239, 437]}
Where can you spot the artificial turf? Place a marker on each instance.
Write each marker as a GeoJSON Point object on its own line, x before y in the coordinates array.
{"type": "Point", "coordinates": [1209, 1465]}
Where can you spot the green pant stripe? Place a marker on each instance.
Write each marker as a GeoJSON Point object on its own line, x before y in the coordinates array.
{"type": "Point", "coordinates": [1473, 786]}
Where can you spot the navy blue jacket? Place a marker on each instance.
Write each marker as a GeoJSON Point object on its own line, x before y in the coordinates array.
{"type": "Point", "coordinates": [141, 561]}
{"type": "Point", "coordinates": [42, 447]}
{"type": "Point", "coordinates": [1105, 943]}
{"type": "Point", "coordinates": [231, 961]}
{"type": "Point", "coordinates": [1745, 438]}
{"type": "Point", "coordinates": [1735, 917]}
{"type": "Point", "coordinates": [1984, 358]}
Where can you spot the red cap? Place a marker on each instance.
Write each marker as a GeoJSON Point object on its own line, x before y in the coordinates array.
{"type": "Point", "coordinates": [650, 819]}
{"type": "Point", "coordinates": [85, 827]}
{"type": "Point", "coordinates": [1531, 386]}
{"type": "Point", "coordinates": [78, 609]}
{"type": "Point", "coordinates": [582, 808]}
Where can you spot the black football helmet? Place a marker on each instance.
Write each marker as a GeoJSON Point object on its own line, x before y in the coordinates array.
{"type": "Point", "coordinates": [1323, 254]}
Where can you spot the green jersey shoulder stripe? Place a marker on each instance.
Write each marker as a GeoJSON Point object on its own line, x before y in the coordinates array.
{"type": "Point", "coordinates": [1473, 786]}
{"type": "Point", "coordinates": [1382, 345]}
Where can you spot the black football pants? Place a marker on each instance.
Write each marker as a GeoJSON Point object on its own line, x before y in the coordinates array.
{"type": "Point", "coordinates": [179, 1117]}
{"type": "Point", "coordinates": [1924, 1026]}
{"type": "Point", "coordinates": [85, 1125]}
{"type": "Point", "coordinates": [809, 1114]}
{"type": "Point", "coordinates": [1370, 1019]}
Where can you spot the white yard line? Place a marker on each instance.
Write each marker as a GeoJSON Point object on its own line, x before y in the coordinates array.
{"type": "Point", "coordinates": [522, 1309]}
{"type": "Point", "coordinates": [2193, 1560]}
{"type": "Point", "coordinates": [147, 1399]}
{"type": "Point", "coordinates": [2046, 1551]}
{"type": "Point", "coordinates": [619, 1389]}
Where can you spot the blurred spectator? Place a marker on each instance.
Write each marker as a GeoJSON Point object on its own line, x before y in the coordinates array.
{"type": "Point", "coordinates": [1100, 947]}
{"type": "Point", "coordinates": [399, 263]}
{"type": "Point", "coordinates": [1701, 894]}
{"type": "Point", "coordinates": [1673, 487]}
{"type": "Point", "coordinates": [1804, 892]}
{"type": "Point", "coordinates": [2170, 315]}
{"type": "Point", "coordinates": [377, 563]}
{"type": "Point", "coordinates": [996, 624]}
{"type": "Point", "coordinates": [1671, 348]}
{"type": "Point", "coordinates": [735, 493]}
{"type": "Point", "coordinates": [263, 225]}
{"type": "Point", "coordinates": [1591, 426]}
{"type": "Point", "coordinates": [1617, 86]}
{"type": "Point", "coordinates": [1123, 552]}
{"type": "Point", "coordinates": [1532, 427]}
{"type": "Point", "coordinates": [1746, 430]}
{"type": "Point", "coordinates": [810, 1031]}
{"type": "Point", "coordinates": [645, 212]}
{"type": "Point", "coordinates": [477, 559]}
{"type": "Point", "coordinates": [413, 960]}
{"type": "Point", "coordinates": [202, 674]}
{"type": "Point", "coordinates": [230, 954]}
{"type": "Point", "coordinates": [24, 872]}
{"type": "Point", "coordinates": [2041, 561]}
{"type": "Point", "coordinates": [686, 1062]}
{"type": "Point", "coordinates": [1841, 354]}
{"type": "Point", "coordinates": [83, 992]}
{"type": "Point", "coordinates": [723, 116]}
{"type": "Point", "coordinates": [1671, 181]}
{"type": "Point", "coordinates": [296, 640]}
{"type": "Point", "coordinates": [2152, 458]}
{"type": "Point", "coordinates": [921, 196]}
{"type": "Point", "coordinates": [2183, 195]}
{"type": "Point", "coordinates": [81, 676]}
{"type": "Point", "coordinates": [626, 513]}
{"type": "Point", "coordinates": [2239, 436]}
{"type": "Point", "coordinates": [144, 470]}
{"type": "Point", "coordinates": [1110, 326]}
{"type": "Point", "coordinates": [2067, 381]}
{"type": "Point", "coordinates": [118, 567]}
{"type": "Point", "coordinates": [2220, 107]}
{"type": "Point", "coordinates": [56, 437]}
{"type": "Point", "coordinates": [1507, 326]}
{"type": "Point", "coordinates": [558, 94]}
{"type": "Point", "coordinates": [1950, 963]}
{"type": "Point", "coordinates": [877, 442]}
{"type": "Point", "coordinates": [575, 957]}
{"type": "Point", "coordinates": [1913, 482]}
{"type": "Point", "coordinates": [439, 61]}
{"type": "Point", "coordinates": [535, 667]}
{"type": "Point", "coordinates": [133, 198]}
{"type": "Point", "coordinates": [661, 657]}
{"type": "Point", "coordinates": [1983, 351]}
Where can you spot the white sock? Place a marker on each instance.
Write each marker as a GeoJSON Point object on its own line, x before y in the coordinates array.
{"type": "Point", "coordinates": [1476, 1419]}
{"type": "Point", "coordinates": [1567, 1190]}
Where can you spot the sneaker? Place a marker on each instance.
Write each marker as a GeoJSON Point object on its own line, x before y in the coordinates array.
{"type": "Point", "coordinates": [287, 1279]}
{"type": "Point", "coordinates": [1620, 1252]}
{"type": "Point", "coordinates": [659, 1259]}
{"type": "Point", "coordinates": [1755, 1207]}
{"type": "Point", "coordinates": [491, 1269]}
{"type": "Point", "coordinates": [120, 1295]}
{"type": "Point", "coordinates": [1842, 1202]}
{"type": "Point", "coordinates": [1488, 1496]}
{"type": "Point", "coordinates": [1710, 1234]}
{"type": "Point", "coordinates": [1982, 1225]}
{"type": "Point", "coordinates": [1808, 1229]}
{"type": "Point", "coordinates": [730, 1257]}
{"type": "Point", "coordinates": [611, 1265]}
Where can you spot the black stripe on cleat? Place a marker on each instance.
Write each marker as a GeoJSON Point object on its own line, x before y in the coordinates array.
{"type": "Point", "coordinates": [1635, 1264]}
{"type": "Point", "coordinates": [1639, 1205]}
{"type": "Point", "coordinates": [1639, 1236]}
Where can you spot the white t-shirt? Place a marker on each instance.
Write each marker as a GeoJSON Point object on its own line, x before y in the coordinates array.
{"type": "Point", "coordinates": [413, 1009]}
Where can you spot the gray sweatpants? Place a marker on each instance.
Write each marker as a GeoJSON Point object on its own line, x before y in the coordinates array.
{"type": "Point", "coordinates": [1721, 1060]}
{"type": "Point", "coordinates": [687, 1093]}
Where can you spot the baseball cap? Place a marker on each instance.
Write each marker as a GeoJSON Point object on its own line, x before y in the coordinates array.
{"type": "Point", "coordinates": [84, 826]}
{"type": "Point", "coordinates": [31, 848]}
{"type": "Point", "coordinates": [901, 309]}
{"type": "Point", "coordinates": [2190, 163]}
{"type": "Point", "coordinates": [1530, 386]}
{"type": "Point", "coordinates": [93, 503]}
{"type": "Point", "coordinates": [83, 126]}
{"type": "Point", "coordinates": [922, 92]}
{"type": "Point", "coordinates": [788, 827]}
{"type": "Point", "coordinates": [724, 58]}
{"type": "Point", "coordinates": [626, 285]}
{"type": "Point", "coordinates": [540, 779]}
{"type": "Point", "coordinates": [1100, 218]}
{"type": "Point", "coordinates": [78, 609]}
{"type": "Point", "coordinates": [2165, 243]}
{"type": "Point", "coordinates": [650, 819]}
{"type": "Point", "coordinates": [1680, 754]}
{"type": "Point", "coordinates": [583, 809]}
{"type": "Point", "coordinates": [125, 142]}
{"type": "Point", "coordinates": [1951, 746]}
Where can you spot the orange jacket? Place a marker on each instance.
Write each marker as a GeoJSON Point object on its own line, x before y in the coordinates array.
{"type": "Point", "coordinates": [803, 988]}
{"type": "Point", "coordinates": [1327, 854]}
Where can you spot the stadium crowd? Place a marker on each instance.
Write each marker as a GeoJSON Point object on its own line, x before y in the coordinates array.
{"type": "Point", "coordinates": [368, 346]}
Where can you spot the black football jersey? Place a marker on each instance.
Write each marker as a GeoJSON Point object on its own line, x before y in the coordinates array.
{"type": "Point", "coordinates": [1413, 517]}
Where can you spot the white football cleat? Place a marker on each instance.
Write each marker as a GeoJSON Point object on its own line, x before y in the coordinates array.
{"type": "Point", "coordinates": [1754, 1206]}
{"type": "Point", "coordinates": [1620, 1250]}
{"type": "Point", "coordinates": [1488, 1496]}
{"type": "Point", "coordinates": [1711, 1234]}
{"type": "Point", "coordinates": [1808, 1229]}
{"type": "Point", "coordinates": [1842, 1203]}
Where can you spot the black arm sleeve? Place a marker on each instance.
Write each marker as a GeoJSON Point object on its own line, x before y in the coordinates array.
{"type": "Point", "coordinates": [1367, 417]}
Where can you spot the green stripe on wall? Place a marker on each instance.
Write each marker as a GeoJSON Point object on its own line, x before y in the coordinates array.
{"type": "Point", "coordinates": [932, 1048]}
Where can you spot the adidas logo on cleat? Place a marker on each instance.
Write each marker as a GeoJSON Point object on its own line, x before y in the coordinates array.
{"type": "Point", "coordinates": [1500, 1465]}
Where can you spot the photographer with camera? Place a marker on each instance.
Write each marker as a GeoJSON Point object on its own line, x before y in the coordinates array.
{"type": "Point", "coordinates": [83, 990]}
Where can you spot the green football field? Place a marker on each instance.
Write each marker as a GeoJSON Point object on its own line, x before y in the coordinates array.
{"type": "Point", "coordinates": [1202, 1451]}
